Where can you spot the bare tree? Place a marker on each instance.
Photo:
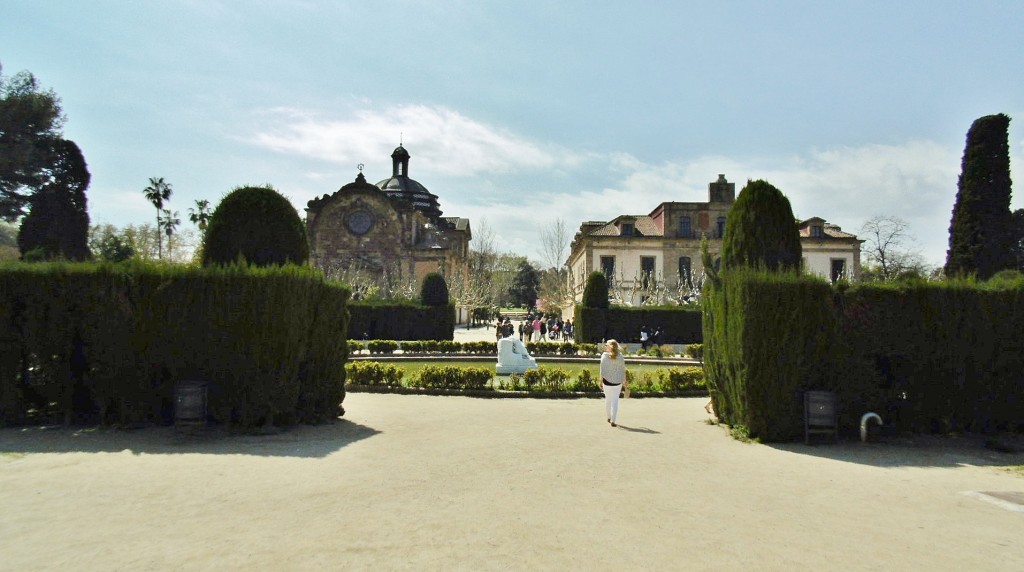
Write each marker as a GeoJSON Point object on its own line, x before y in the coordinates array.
{"type": "Point", "coordinates": [888, 249]}
{"type": "Point", "coordinates": [373, 282]}
{"type": "Point", "coordinates": [554, 241]}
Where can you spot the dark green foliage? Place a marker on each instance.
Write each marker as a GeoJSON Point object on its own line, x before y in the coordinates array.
{"type": "Point", "coordinates": [449, 377]}
{"type": "Point", "coordinates": [525, 287]}
{"type": "Point", "coordinates": [107, 343]}
{"type": "Point", "coordinates": [58, 222]}
{"type": "Point", "coordinates": [434, 291]}
{"type": "Point", "coordinates": [114, 248]}
{"type": "Point", "coordinates": [925, 356]}
{"type": "Point", "coordinates": [678, 325]}
{"type": "Point", "coordinates": [595, 293]}
{"type": "Point", "coordinates": [30, 124]}
{"type": "Point", "coordinates": [980, 233]}
{"type": "Point", "coordinates": [257, 225]}
{"type": "Point", "coordinates": [401, 321]}
{"type": "Point", "coordinates": [762, 230]}
{"type": "Point", "coordinates": [1017, 238]}
{"type": "Point", "coordinates": [767, 338]}
{"type": "Point", "coordinates": [947, 356]}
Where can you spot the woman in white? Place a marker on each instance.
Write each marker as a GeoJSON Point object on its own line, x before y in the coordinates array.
{"type": "Point", "coordinates": [613, 378]}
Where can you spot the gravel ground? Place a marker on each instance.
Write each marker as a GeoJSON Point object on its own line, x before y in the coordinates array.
{"type": "Point", "coordinates": [455, 483]}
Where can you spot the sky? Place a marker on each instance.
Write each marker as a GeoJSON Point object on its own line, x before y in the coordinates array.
{"type": "Point", "coordinates": [518, 114]}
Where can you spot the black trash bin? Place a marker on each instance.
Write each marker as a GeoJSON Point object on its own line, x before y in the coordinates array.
{"type": "Point", "coordinates": [190, 403]}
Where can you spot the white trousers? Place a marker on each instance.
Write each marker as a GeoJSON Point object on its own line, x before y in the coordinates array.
{"type": "Point", "coordinates": [611, 400]}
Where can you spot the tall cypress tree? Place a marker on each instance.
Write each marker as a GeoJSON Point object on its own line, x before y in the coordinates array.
{"type": "Point", "coordinates": [980, 233]}
{"type": "Point", "coordinates": [762, 230]}
{"type": "Point", "coordinates": [595, 293]}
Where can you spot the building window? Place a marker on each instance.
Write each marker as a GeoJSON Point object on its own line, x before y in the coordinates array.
{"type": "Point", "coordinates": [627, 229]}
{"type": "Point", "coordinates": [838, 269]}
{"type": "Point", "coordinates": [685, 271]}
{"type": "Point", "coordinates": [817, 231]}
{"type": "Point", "coordinates": [647, 270]}
{"type": "Point", "coordinates": [685, 231]}
{"type": "Point", "coordinates": [721, 227]}
{"type": "Point", "coordinates": [608, 268]}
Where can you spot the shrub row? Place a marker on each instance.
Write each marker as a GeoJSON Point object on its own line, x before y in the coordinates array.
{"type": "Point", "coordinates": [544, 380]}
{"type": "Point", "coordinates": [421, 347]}
{"type": "Point", "coordinates": [679, 325]}
{"type": "Point", "coordinates": [107, 343]}
{"type": "Point", "coordinates": [926, 356]}
{"type": "Point", "coordinates": [400, 321]}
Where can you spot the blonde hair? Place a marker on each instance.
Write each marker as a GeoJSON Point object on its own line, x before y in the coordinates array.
{"type": "Point", "coordinates": [613, 346]}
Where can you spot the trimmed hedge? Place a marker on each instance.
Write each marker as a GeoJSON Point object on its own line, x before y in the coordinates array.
{"type": "Point", "coordinates": [931, 357]}
{"type": "Point", "coordinates": [401, 321]}
{"type": "Point", "coordinates": [106, 343]}
{"type": "Point", "coordinates": [545, 380]}
{"type": "Point", "coordinates": [678, 325]}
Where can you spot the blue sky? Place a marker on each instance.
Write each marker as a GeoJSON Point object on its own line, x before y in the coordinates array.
{"type": "Point", "coordinates": [519, 113]}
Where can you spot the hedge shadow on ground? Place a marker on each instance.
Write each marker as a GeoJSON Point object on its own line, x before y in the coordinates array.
{"type": "Point", "coordinates": [303, 441]}
{"type": "Point", "coordinates": [914, 450]}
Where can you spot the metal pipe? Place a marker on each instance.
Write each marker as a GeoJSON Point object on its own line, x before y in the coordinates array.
{"type": "Point", "coordinates": [864, 424]}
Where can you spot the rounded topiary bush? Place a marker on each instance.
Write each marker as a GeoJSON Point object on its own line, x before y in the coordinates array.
{"type": "Point", "coordinates": [595, 294]}
{"type": "Point", "coordinates": [762, 230]}
{"type": "Point", "coordinates": [258, 225]}
{"type": "Point", "coordinates": [434, 290]}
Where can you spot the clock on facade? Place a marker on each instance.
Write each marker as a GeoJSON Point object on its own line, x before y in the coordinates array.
{"type": "Point", "coordinates": [359, 221]}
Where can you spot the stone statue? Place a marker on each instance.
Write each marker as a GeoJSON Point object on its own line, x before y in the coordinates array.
{"type": "Point", "coordinates": [513, 357]}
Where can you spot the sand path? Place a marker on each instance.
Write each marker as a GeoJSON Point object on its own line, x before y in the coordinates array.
{"type": "Point", "coordinates": [416, 482]}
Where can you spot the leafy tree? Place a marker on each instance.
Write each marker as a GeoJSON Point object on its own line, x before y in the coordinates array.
{"type": "Point", "coordinates": [57, 226]}
{"type": "Point", "coordinates": [157, 192]}
{"type": "Point", "coordinates": [595, 293]}
{"type": "Point", "coordinates": [200, 216]}
{"type": "Point", "coordinates": [109, 242]}
{"type": "Point", "coordinates": [9, 241]}
{"type": "Point", "coordinates": [762, 230]}
{"type": "Point", "coordinates": [1017, 241]}
{"type": "Point", "coordinates": [525, 285]}
{"type": "Point", "coordinates": [114, 249]}
{"type": "Point", "coordinates": [257, 224]}
{"type": "Point", "coordinates": [434, 291]}
{"type": "Point", "coordinates": [980, 235]}
{"type": "Point", "coordinates": [887, 250]}
{"type": "Point", "coordinates": [30, 126]}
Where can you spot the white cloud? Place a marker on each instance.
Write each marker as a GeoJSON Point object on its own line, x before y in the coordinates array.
{"type": "Point", "coordinates": [442, 141]}
{"type": "Point", "coordinates": [482, 171]}
{"type": "Point", "coordinates": [915, 181]}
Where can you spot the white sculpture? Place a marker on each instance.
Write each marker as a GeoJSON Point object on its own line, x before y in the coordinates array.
{"type": "Point", "coordinates": [513, 357]}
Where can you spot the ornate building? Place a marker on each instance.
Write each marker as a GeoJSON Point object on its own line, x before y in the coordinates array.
{"type": "Point", "coordinates": [656, 257]}
{"type": "Point", "coordinates": [393, 231]}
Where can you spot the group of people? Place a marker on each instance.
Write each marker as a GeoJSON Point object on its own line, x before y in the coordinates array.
{"type": "Point", "coordinates": [650, 338]}
{"type": "Point", "coordinates": [537, 329]}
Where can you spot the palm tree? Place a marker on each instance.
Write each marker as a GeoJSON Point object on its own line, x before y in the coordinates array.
{"type": "Point", "coordinates": [170, 222]}
{"type": "Point", "coordinates": [157, 192]}
{"type": "Point", "coordinates": [201, 214]}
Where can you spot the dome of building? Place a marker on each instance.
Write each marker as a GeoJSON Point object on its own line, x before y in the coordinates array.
{"type": "Point", "coordinates": [401, 188]}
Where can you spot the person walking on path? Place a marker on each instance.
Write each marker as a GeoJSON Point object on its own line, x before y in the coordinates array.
{"type": "Point", "coordinates": [613, 379]}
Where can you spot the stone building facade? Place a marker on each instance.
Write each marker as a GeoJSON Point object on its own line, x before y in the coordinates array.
{"type": "Point", "coordinates": [656, 257]}
{"type": "Point", "coordinates": [393, 231]}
